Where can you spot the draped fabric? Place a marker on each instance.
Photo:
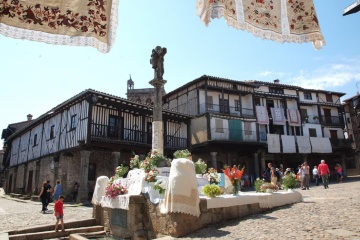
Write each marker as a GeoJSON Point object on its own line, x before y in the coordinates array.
{"type": "Point", "coordinates": [294, 117]}
{"type": "Point", "coordinates": [281, 20]}
{"type": "Point", "coordinates": [182, 191]}
{"type": "Point", "coordinates": [320, 145]}
{"type": "Point", "coordinates": [67, 22]}
{"type": "Point", "coordinates": [273, 143]}
{"type": "Point", "coordinates": [100, 189]}
{"type": "Point", "coordinates": [262, 115]}
{"type": "Point", "coordinates": [288, 144]}
{"type": "Point", "coordinates": [303, 143]}
{"type": "Point", "coordinates": [278, 116]}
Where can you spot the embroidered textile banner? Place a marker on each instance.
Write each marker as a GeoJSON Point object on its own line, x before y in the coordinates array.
{"type": "Point", "coordinates": [278, 116]}
{"type": "Point", "coordinates": [262, 115]}
{"type": "Point", "coordinates": [320, 145]}
{"type": "Point", "coordinates": [273, 143]}
{"type": "Point", "coordinates": [281, 20]}
{"type": "Point", "coordinates": [67, 22]}
{"type": "Point", "coordinates": [294, 117]}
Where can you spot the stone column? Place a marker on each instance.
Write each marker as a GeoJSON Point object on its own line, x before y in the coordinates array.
{"type": "Point", "coordinates": [256, 165]}
{"type": "Point", "coordinates": [116, 158]}
{"type": "Point", "coordinates": [157, 124]}
{"type": "Point", "coordinates": [213, 159]}
{"type": "Point", "coordinates": [84, 166]}
{"type": "Point", "coordinates": [343, 164]}
{"type": "Point", "coordinates": [262, 161]}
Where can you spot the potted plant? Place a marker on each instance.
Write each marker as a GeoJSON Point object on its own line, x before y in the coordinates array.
{"type": "Point", "coordinates": [213, 176]}
{"type": "Point", "coordinates": [121, 170]}
{"type": "Point", "coordinates": [200, 166]}
{"type": "Point", "coordinates": [150, 176]}
{"type": "Point", "coordinates": [135, 162]}
{"type": "Point", "coordinates": [257, 184]}
{"type": "Point", "coordinates": [211, 190]}
{"type": "Point", "coordinates": [289, 181]}
{"type": "Point", "coordinates": [182, 154]}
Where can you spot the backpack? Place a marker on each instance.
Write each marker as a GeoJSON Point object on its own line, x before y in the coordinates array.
{"type": "Point", "coordinates": [278, 174]}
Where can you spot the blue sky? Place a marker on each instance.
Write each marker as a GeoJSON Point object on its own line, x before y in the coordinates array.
{"type": "Point", "coordinates": [35, 77]}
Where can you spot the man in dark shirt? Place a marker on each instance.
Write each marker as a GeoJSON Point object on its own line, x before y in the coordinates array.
{"type": "Point", "coordinates": [48, 189]}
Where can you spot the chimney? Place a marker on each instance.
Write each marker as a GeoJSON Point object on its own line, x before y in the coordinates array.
{"type": "Point", "coordinates": [29, 117]}
{"type": "Point", "coordinates": [276, 81]}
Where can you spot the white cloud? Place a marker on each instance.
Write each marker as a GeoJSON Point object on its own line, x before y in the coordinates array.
{"type": "Point", "coordinates": [332, 76]}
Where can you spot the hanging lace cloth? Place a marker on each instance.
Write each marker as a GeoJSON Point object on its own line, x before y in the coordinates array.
{"type": "Point", "coordinates": [66, 22]}
{"type": "Point", "coordinates": [280, 20]}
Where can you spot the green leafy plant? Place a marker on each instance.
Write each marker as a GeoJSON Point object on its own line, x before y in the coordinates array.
{"type": "Point", "coordinates": [182, 154]}
{"type": "Point", "coordinates": [121, 170]}
{"type": "Point", "coordinates": [161, 185]}
{"type": "Point", "coordinates": [200, 166]}
{"type": "Point", "coordinates": [257, 184]}
{"type": "Point", "coordinates": [211, 190]}
{"type": "Point", "coordinates": [135, 162]}
{"type": "Point", "coordinates": [289, 181]}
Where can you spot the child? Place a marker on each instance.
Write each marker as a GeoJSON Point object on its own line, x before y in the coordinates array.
{"type": "Point", "coordinates": [59, 213]}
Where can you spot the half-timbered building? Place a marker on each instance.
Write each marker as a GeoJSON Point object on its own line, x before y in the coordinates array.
{"type": "Point", "coordinates": [253, 122]}
{"type": "Point", "coordinates": [85, 137]}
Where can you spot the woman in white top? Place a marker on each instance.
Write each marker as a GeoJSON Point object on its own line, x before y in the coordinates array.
{"type": "Point", "coordinates": [316, 175]}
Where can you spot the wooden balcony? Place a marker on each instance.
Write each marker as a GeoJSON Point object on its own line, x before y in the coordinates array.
{"type": "Point", "coordinates": [340, 143]}
{"type": "Point", "coordinates": [234, 111]}
{"type": "Point", "coordinates": [332, 120]}
{"type": "Point", "coordinates": [134, 136]}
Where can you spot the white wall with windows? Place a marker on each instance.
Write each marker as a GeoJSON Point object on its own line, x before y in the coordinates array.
{"type": "Point", "coordinates": [312, 130]}
{"type": "Point", "coordinates": [339, 132]}
{"type": "Point", "coordinates": [307, 96]}
{"type": "Point", "coordinates": [290, 92]}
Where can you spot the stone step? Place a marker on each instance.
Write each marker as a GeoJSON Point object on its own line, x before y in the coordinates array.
{"type": "Point", "coordinates": [52, 234]}
{"type": "Point", "coordinates": [15, 195]}
{"type": "Point", "coordinates": [25, 198]}
{"type": "Point", "coordinates": [42, 228]}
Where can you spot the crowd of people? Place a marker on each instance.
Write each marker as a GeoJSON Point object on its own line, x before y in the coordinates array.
{"type": "Point", "coordinates": [304, 174]}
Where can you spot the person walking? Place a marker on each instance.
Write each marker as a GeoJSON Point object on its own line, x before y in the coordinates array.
{"type": "Point", "coordinates": [75, 191]}
{"type": "Point", "coordinates": [324, 172]}
{"type": "Point", "coordinates": [57, 190]}
{"type": "Point", "coordinates": [272, 174]}
{"type": "Point", "coordinates": [315, 173]}
{"type": "Point", "coordinates": [59, 213]}
{"type": "Point", "coordinates": [306, 176]}
{"type": "Point", "coordinates": [339, 172]}
{"type": "Point", "coordinates": [43, 197]}
{"type": "Point", "coordinates": [48, 193]}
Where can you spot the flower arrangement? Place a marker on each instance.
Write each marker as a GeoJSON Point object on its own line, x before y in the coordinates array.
{"type": "Point", "coordinates": [115, 189]}
{"type": "Point", "coordinates": [211, 190]}
{"type": "Point", "coordinates": [182, 154]}
{"type": "Point", "coordinates": [234, 174]}
{"type": "Point", "coordinates": [213, 176]}
{"type": "Point", "coordinates": [289, 181]}
{"type": "Point", "coordinates": [155, 157]}
{"type": "Point", "coordinates": [200, 166]}
{"type": "Point", "coordinates": [151, 175]}
{"type": "Point", "coordinates": [161, 185]}
{"type": "Point", "coordinates": [135, 162]}
{"type": "Point", "coordinates": [257, 184]}
{"type": "Point", "coordinates": [270, 186]}
{"type": "Point", "coordinates": [121, 170]}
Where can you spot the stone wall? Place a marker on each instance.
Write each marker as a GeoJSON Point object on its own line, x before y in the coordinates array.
{"type": "Point", "coordinates": [144, 220]}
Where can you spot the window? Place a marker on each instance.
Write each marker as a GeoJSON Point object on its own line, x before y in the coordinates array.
{"type": "Point", "coordinates": [276, 90]}
{"type": "Point", "coordinates": [328, 98]}
{"type": "Point", "coordinates": [73, 122]}
{"type": "Point", "coordinates": [219, 126]}
{"type": "Point", "coordinates": [113, 123]}
{"type": "Point", "coordinates": [257, 102]}
{"type": "Point", "coordinates": [224, 105]}
{"type": "Point", "coordinates": [312, 132]}
{"type": "Point", "coordinates": [210, 102]}
{"type": "Point", "coordinates": [35, 140]}
{"type": "Point", "coordinates": [237, 105]}
{"type": "Point", "coordinates": [247, 128]}
{"type": "Point", "coordinates": [333, 134]}
{"type": "Point", "coordinates": [307, 95]}
{"type": "Point", "coordinates": [92, 172]}
{"type": "Point", "coordinates": [52, 132]}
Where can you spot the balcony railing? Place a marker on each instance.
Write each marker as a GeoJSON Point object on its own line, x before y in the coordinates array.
{"type": "Point", "coordinates": [333, 120]}
{"type": "Point", "coordinates": [226, 134]}
{"type": "Point", "coordinates": [340, 143]}
{"type": "Point", "coordinates": [131, 135]}
{"type": "Point", "coordinates": [215, 108]}
{"type": "Point", "coordinates": [313, 119]}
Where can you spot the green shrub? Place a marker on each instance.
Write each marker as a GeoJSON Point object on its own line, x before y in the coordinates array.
{"type": "Point", "coordinates": [200, 166]}
{"type": "Point", "coordinates": [289, 181]}
{"type": "Point", "coordinates": [211, 190]}
{"type": "Point", "coordinates": [257, 184]}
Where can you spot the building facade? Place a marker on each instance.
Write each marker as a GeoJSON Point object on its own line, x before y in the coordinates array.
{"type": "Point", "coordinates": [84, 137]}
{"type": "Point", "coordinates": [252, 123]}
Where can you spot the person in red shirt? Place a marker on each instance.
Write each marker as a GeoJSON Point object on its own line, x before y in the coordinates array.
{"type": "Point", "coordinates": [59, 213]}
{"type": "Point", "coordinates": [324, 172]}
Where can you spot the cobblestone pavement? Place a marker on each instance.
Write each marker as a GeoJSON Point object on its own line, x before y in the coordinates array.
{"type": "Point", "coordinates": [17, 214]}
{"type": "Point", "coordinates": [324, 214]}
{"type": "Point", "coordinates": [332, 213]}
